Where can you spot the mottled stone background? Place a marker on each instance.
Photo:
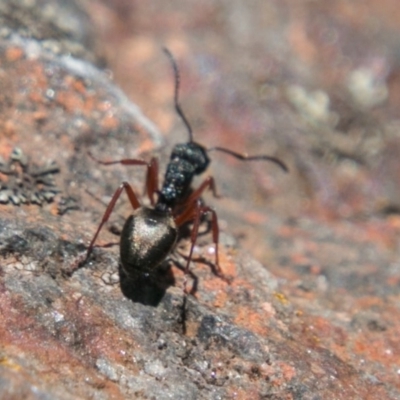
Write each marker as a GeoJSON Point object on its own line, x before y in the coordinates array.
{"type": "Point", "coordinates": [312, 310]}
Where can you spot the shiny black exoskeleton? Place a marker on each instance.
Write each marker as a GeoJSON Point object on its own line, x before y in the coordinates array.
{"type": "Point", "coordinates": [186, 161]}
{"type": "Point", "coordinates": [144, 231]}
{"type": "Point", "coordinates": [149, 235]}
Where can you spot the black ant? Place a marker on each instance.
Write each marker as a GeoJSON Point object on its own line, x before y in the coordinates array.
{"type": "Point", "coordinates": [150, 234]}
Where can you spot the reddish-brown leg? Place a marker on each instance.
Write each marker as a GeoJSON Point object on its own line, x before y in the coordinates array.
{"type": "Point", "coordinates": [183, 214]}
{"type": "Point", "coordinates": [199, 211]}
{"type": "Point", "coordinates": [151, 176]}
{"type": "Point", "coordinates": [124, 161]}
{"type": "Point", "coordinates": [152, 180]}
{"type": "Point", "coordinates": [133, 200]}
{"type": "Point", "coordinates": [194, 213]}
{"type": "Point", "coordinates": [209, 183]}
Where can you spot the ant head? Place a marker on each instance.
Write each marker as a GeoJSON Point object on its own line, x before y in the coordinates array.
{"type": "Point", "coordinates": [194, 153]}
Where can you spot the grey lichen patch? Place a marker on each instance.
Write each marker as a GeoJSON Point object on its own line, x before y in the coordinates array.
{"type": "Point", "coordinates": [25, 182]}
{"type": "Point", "coordinates": [155, 368]}
{"type": "Point", "coordinates": [25, 264]}
{"type": "Point", "coordinates": [110, 278]}
{"type": "Point", "coordinates": [108, 369]}
{"type": "Point", "coordinates": [238, 340]}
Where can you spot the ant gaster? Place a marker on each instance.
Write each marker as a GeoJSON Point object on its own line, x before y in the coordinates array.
{"type": "Point", "coordinates": [149, 235]}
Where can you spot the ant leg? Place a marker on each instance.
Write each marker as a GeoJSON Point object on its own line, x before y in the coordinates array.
{"type": "Point", "coordinates": [187, 214]}
{"type": "Point", "coordinates": [151, 176]}
{"type": "Point", "coordinates": [192, 214]}
{"type": "Point", "coordinates": [194, 278]}
{"type": "Point", "coordinates": [209, 183]}
{"type": "Point", "coordinates": [215, 234]}
{"type": "Point", "coordinates": [124, 161]}
{"type": "Point", "coordinates": [195, 213]}
{"type": "Point", "coordinates": [133, 200]}
{"type": "Point", "coordinates": [152, 180]}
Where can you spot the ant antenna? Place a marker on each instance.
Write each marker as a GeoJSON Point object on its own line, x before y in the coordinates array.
{"type": "Point", "coordinates": [245, 157]}
{"type": "Point", "coordinates": [176, 100]}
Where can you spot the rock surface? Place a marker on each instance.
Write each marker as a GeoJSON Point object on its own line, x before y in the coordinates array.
{"type": "Point", "coordinates": [317, 316]}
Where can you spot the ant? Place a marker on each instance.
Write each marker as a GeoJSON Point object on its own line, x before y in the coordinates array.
{"type": "Point", "coordinates": [150, 234]}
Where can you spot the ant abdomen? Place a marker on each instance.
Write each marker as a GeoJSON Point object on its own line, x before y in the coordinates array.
{"type": "Point", "coordinates": [147, 237]}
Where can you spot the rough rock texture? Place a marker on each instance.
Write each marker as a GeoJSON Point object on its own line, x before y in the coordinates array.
{"type": "Point", "coordinates": [317, 317]}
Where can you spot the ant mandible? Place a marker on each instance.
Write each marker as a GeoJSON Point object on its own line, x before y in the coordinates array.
{"type": "Point", "coordinates": [150, 234]}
